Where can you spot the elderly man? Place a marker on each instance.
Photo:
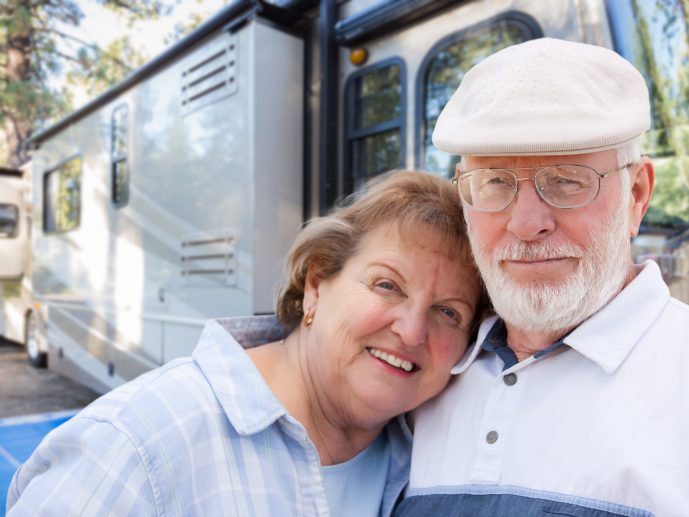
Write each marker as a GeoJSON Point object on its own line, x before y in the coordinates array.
{"type": "Point", "coordinates": [575, 399]}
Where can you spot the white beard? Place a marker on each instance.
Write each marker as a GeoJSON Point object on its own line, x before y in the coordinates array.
{"type": "Point", "coordinates": [555, 308]}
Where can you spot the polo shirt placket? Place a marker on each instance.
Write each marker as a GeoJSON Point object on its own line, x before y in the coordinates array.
{"type": "Point", "coordinates": [503, 402]}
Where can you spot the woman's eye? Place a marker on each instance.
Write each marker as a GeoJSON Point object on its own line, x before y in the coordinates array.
{"type": "Point", "coordinates": [451, 314]}
{"type": "Point", "coordinates": [386, 284]}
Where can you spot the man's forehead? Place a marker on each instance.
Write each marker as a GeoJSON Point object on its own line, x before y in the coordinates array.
{"type": "Point", "coordinates": [599, 159]}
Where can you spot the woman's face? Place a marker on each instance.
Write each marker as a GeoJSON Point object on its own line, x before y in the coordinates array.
{"type": "Point", "coordinates": [389, 327]}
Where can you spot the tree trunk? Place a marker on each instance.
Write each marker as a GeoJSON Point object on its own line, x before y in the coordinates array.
{"type": "Point", "coordinates": [18, 76]}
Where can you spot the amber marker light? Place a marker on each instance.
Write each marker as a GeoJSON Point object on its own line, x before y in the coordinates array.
{"type": "Point", "coordinates": [358, 56]}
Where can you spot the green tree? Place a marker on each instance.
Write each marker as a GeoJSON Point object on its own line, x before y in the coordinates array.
{"type": "Point", "coordinates": [33, 49]}
{"type": "Point", "coordinates": [661, 53]}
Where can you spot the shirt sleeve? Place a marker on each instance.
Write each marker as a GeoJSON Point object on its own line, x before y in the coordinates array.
{"type": "Point", "coordinates": [84, 467]}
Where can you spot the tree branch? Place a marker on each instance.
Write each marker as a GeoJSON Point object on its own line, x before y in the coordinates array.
{"type": "Point", "coordinates": [66, 36]}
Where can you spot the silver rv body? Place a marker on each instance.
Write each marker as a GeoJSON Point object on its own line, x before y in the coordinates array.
{"type": "Point", "coordinates": [174, 197]}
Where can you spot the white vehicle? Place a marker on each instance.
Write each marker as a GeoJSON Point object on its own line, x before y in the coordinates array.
{"type": "Point", "coordinates": [173, 197]}
{"type": "Point", "coordinates": [16, 322]}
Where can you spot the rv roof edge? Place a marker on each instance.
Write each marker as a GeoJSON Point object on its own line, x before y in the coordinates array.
{"type": "Point", "coordinates": [236, 9]}
{"type": "Point", "coordinates": [383, 18]}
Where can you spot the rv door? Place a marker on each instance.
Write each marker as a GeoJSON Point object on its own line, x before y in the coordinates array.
{"type": "Point", "coordinates": [13, 226]}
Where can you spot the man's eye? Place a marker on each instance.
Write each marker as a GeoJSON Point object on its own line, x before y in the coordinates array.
{"type": "Point", "coordinates": [567, 181]}
{"type": "Point", "coordinates": [498, 182]}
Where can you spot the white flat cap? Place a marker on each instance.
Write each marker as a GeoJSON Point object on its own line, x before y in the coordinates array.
{"type": "Point", "coordinates": [545, 97]}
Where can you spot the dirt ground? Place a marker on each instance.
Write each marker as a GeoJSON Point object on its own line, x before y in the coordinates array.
{"type": "Point", "coordinates": [25, 390]}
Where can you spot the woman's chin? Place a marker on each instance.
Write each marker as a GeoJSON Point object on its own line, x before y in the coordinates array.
{"type": "Point", "coordinates": [378, 402]}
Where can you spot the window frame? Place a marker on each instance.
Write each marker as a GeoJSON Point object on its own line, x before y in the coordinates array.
{"type": "Point", "coordinates": [528, 23]}
{"type": "Point", "coordinates": [57, 169]}
{"type": "Point", "coordinates": [15, 232]}
{"type": "Point", "coordinates": [116, 159]}
{"type": "Point", "coordinates": [351, 135]}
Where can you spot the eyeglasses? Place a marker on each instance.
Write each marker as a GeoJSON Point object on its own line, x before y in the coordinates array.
{"type": "Point", "coordinates": [561, 186]}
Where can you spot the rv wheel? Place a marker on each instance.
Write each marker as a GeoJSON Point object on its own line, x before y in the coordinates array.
{"type": "Point", "coordinates": [37, 358]}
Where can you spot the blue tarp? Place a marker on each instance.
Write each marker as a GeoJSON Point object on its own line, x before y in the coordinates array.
{"type": "Point", "coordinates": [19, 436]}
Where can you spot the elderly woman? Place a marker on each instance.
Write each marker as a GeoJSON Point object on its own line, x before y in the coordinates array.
{"type": "Point", "coordinates": [378, 305]}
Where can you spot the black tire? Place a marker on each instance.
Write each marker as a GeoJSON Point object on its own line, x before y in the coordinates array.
{"type": "Point", "coordinates": [37, 358]}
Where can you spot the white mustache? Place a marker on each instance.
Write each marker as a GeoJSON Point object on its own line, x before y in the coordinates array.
{"type": "Point", "coordinates": [538, 251]}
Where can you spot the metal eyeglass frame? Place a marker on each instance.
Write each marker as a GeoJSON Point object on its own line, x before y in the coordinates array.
{"type": "Point", "coordinates": [601, 175]}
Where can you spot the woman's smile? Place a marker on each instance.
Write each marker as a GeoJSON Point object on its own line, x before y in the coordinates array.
{"type": "Point", "coordinates": [393, 360]}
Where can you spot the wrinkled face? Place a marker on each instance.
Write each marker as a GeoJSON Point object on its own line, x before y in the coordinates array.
{"type": "Point", "coordinates": [389, 327]}
{"type": "Point", "coordinates": [547, 269]}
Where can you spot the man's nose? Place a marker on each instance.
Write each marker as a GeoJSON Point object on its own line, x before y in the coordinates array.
{"type": "Point", "coordinates": [411, 325]}
{"type": "Point", "coordinates": [531, 217]}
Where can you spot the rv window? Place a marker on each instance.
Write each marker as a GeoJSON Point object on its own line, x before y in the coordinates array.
{"type": "Point", "coordinates": [375, 120]}
{"type": "Point", "coordinates": [118, 156]}
{"type": "Point", "coordinates": [9, 219]}
{"type": "Point", "coordinates": [62, 197]}
{"type": "Point", "coordinates": [654, 36]}
{"type": "Point", "coordinates": [445, 66]}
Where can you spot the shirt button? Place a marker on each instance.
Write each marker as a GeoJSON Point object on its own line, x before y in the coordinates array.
{"type": "Point", "coordinates": [510, 379]}
{"type": "Point", "coordinates": [492, 437]}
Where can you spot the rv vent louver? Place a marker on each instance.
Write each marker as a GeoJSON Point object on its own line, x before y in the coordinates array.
{"type": "Point", "coordinates": [209, 257]}
{"type": "Point", "coordinates": [211, 74]}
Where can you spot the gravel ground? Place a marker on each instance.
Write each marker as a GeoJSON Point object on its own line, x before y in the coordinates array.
{"type": "Point", "coordinates": [25, 390]}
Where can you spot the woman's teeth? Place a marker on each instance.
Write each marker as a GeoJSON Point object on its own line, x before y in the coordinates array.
{"type": "Point", "coordinates": [407, 366]}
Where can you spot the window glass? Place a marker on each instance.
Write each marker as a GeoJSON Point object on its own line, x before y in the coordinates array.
{"type": "Point", "coordinates": [446, 69]}
{"type": "Point", "coordinates": [118, 156]}
{"type": "Point", "coordinates": [375, 122]}
{"type": "Point", "coordinates": [9, 219]}
{"type": "Point", "coordinates": [378, 97]}
{"type": "Point", "coordinates": [654, 36]}
{"type": "Point", "coordinates": [120, 182]}
{"type": "Point", "coordinates": [375, 154]}
{"type": "Point", "coordinates": [62, 197]}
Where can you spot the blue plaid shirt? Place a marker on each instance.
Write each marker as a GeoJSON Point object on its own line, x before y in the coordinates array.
{"type": "Point", "coordinates": [202, 435]}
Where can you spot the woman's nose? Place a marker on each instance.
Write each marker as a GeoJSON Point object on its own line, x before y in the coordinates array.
{"type": "Point", "coordinates": [411, 326]}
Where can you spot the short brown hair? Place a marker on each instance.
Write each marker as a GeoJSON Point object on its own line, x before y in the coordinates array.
{"type": "Point", "coordinates": [409, 199]}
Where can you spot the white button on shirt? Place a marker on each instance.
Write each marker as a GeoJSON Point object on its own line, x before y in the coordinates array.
{"type": "Point", "coordinates": [601, 422]}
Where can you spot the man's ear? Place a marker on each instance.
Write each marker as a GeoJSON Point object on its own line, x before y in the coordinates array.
{"type": "Point", "coordinates": [311, 284]}
{"type": "Point", "coordinates": [642, 179]}
{"type": "Point", "coordinates": [458, 169]}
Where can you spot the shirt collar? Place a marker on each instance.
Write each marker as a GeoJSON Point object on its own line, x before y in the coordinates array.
{"type": "Point", "coordinates": [242, 392]}
{"type": "Point", "coordinates": [608, 337]}
{"type": "Point", "coordinates": [472, 352]}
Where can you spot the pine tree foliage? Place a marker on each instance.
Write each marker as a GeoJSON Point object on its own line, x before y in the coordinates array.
{"type": "Point", "coordinates": [34, 47]}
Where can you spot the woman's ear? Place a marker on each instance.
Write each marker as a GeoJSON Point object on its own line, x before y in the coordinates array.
{"type": "Point", "coordinates": [311, 285]}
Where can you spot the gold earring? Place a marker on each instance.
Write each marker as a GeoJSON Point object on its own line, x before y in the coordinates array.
{"type": "Point", "coordinates": [308, 317]}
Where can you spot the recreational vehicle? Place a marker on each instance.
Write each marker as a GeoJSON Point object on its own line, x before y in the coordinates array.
{"type": "Point", "coordinates": [173, 197]}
